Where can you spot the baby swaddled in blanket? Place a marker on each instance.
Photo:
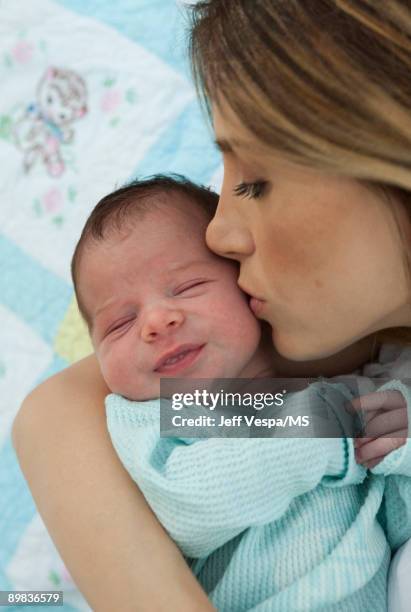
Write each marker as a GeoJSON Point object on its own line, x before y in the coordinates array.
{"type": "Point", "coordinates": [268, 524]}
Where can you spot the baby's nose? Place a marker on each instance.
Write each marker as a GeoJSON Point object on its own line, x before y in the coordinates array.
{"type": "Point", "coordinates": [160, 321]}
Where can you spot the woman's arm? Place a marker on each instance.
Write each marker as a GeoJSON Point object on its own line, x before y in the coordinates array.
{"type": "Point", "coordinates": [116, 551]}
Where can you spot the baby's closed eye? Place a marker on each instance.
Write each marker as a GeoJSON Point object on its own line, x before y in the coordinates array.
{"type": "Point", "coordinates": [189, 287]}
{"type": "Point", "coordinates": [120, 325]}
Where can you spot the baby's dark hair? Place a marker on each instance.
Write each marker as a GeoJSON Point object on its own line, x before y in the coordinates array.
{"type": "Point", "coordinates": [132, 201]}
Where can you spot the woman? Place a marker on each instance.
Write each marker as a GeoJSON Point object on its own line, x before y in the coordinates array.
{"type": "Point", "coordinates": [310, 102]}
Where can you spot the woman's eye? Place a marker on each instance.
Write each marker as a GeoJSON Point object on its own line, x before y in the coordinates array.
{"type": "Point", "coordinates": [250, 190]}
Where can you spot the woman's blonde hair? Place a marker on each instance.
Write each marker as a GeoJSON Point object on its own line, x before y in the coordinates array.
{"type": "Point", "coordinates": [326, 83]}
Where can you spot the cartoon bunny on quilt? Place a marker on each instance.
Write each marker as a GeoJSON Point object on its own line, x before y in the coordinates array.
{"type": "Point", "coordinates": [61, 100]}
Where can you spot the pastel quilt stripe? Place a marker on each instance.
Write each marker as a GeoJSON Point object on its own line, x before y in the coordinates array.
{"type": "Point", "coordinates": [186, 148]}
{"type": "Point", "coordinates": [36, 295]}
{"type": "Point", "coordinates": [158, 25]}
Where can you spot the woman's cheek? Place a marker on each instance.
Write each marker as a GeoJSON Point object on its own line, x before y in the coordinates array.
{"type": "Point", "coordinates": [291, 260]}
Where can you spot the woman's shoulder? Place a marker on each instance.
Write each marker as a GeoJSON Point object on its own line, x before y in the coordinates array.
{"type": "Point", "coordinates": [393, 361]}
{"type": "Point", "coordinates": [79, 384]}
{"type": "Point", "coordinates": [80, 375]}
{"type": "Point", "coordinates": [63, 401]}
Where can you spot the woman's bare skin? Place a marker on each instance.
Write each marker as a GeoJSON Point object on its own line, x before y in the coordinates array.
{"type": "Point", "coordinates": [115, 549]}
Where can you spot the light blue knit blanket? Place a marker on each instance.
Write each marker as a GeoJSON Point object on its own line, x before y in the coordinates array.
{"type": "Point", "coordinates": [273, 524]}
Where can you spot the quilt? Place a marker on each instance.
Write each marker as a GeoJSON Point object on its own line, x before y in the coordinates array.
{"type": "Point", "coordinates": [94, 93]}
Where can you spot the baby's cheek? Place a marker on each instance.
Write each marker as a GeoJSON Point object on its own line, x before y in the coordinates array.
{"type": "Point", "coordinates": [241, 326]}
{"type": "Point", "coordinates": [113, 370]}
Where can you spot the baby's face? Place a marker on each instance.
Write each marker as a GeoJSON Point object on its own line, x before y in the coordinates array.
{"type": "Point", "coordinates": [162, 305]}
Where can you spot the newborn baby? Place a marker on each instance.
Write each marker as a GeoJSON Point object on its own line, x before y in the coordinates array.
{"type": "Point", "coordinates": [158, 302]}
{"type": "Point", "coordinates": [268, 524]}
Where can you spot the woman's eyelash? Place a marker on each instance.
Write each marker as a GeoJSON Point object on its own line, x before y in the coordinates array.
{"type": "Point", "coordinates": [250, 190]}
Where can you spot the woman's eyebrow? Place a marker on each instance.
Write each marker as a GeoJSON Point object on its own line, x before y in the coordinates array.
{"type": "Point", "coordinates": [229, 146]}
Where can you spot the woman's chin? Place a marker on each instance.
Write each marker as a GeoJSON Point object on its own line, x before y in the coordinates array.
{"type": "Point", "coordinates": [302, 349]}
{"type": "Point", "coordinates": [286, 347]}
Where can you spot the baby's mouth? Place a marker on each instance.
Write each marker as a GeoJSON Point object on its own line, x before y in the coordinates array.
{"type": "Point", "coordinates": [178, 359]}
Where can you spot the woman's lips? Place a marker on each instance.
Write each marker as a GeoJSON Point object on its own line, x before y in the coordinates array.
{"type": "Point", "coordinates": [256, 305]}
{"type": "Point", "coordinates": [179, 360]}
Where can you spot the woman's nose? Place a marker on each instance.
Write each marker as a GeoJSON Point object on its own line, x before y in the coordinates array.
{"type": "Point", "coordinates": [159, 322]}
{"type": "Point", "coordinates": [229, 238]}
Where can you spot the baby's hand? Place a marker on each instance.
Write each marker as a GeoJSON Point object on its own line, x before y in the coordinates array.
{"type": "Point", "coordinates": [385, 425]}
